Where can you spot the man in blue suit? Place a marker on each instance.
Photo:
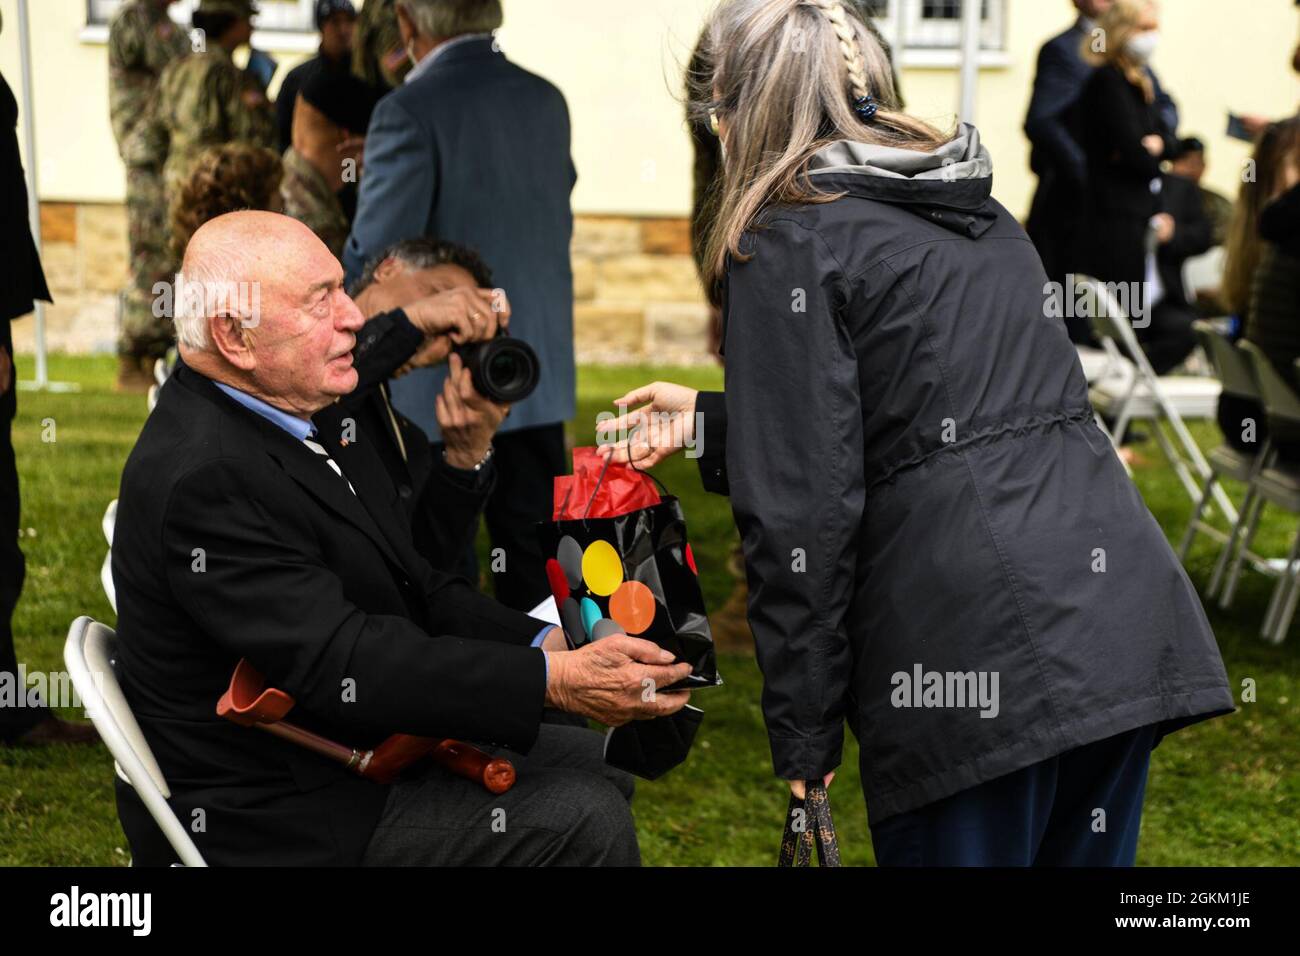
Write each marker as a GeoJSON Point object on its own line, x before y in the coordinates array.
{"type": "Point", "coordinates": [1056, 157]}
{"type": "Point", "coordinates": [474, 150]}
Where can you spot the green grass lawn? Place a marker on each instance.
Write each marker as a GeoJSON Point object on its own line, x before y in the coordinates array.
{"type": "Point", "coordinates": [1225, 792]}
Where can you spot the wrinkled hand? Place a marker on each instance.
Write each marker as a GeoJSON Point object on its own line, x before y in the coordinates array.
{"type": "Point", "coordinates": [797, 787]}
{"type": "Point", "coordinates": [6, 371]}
{"type": "Point", "coordinates": [452, 318]}
{"type": "Point", "coordinates": [613, 680]}
{"type": "Point", "coordinates": [467, 419]}
{"type": "Point", "coordinates": [654, 431]}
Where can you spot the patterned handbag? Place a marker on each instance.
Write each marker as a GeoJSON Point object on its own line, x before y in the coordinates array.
{"type": "Point", "coordinates": [808, 822]}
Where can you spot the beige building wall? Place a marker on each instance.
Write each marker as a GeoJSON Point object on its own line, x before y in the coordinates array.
{"type": "Point", "coordinates": [619, 63]}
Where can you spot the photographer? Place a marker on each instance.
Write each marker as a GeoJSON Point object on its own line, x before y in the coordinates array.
{"type": "Point", "coordinates": [421, 298]}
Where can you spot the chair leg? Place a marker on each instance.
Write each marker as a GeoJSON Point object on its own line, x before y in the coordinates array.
{"type": "Point", "coordinates": [1229, 549]}
{"type": "Point", "coordinates": [1185, 548]}
{"type": "Point", "coordinates": [1281, 606]}
{"type": "Point", "coordinates": [1230, 588]}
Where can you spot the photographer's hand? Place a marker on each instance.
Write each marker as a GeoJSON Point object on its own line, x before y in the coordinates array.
{"type": "Point", "coordinates": [452, 318]}
{"type": "Point", "coordinates": [614, 681]}
{"type": "Point", "coordinates": [467, 419]}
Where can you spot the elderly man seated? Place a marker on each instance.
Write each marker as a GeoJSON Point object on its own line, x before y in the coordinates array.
{"type": "Point", "coordinates": [244, 533]}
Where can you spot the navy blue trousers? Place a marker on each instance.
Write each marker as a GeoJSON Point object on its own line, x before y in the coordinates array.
{"type": "Point", "coordinates": [1079, 808]}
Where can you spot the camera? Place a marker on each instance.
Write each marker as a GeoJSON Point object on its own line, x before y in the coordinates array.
{"type": "Point", "coordinates": [504, 370]}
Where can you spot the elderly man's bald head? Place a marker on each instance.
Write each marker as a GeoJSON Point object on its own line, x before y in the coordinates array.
{"type": "Point", "coordinates": [262, 308]}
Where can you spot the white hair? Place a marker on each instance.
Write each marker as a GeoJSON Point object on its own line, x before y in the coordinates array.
{"type": "Point", "coordinates": [453, 18]}
{"type": "Point", "coordinates": [208, 285]}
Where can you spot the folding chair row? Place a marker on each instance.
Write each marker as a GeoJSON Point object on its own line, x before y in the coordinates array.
{"type": "Point", "coordinates": [1133, 392]}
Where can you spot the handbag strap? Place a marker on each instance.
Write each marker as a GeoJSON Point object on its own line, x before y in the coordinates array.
{"type": "Point", "coordinates": [808, 823]}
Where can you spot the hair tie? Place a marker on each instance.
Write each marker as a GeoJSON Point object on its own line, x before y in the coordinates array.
{"type": "Point", "coordinates": [866, 107]}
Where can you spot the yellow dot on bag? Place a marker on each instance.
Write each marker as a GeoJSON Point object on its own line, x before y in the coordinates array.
{"type": "Point", "coordinates": [601, 568]}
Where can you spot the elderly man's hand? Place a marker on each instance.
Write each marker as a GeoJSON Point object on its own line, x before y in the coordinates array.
{"type": "Point", "coordinates": [615, 680]}
{"type": "Point", "coordinates": [655, 431]}
{"type": "Point", "coordinates": [454, 317]}
{"type": "Point", "coordinates": [467, 419]}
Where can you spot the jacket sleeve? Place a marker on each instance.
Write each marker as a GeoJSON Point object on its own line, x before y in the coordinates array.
{"type": "Point", "coordinates": [1193, 231]}
{"type": "Point", "coordinates": [1056, 89]}
{"type": "Point", "coordinates": [794, 458]}
{"type": "Point", "coordinates": [263, 592]}
{"type": "Point", "coordinates": [397, 187]}
{"type": "Point", "coordinates": [711, 407]}
{"type": "Point", "coordinates": [384, 344]}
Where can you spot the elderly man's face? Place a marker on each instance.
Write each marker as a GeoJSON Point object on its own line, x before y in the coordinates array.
{"type": "Point", "coordinates": [303, 344]}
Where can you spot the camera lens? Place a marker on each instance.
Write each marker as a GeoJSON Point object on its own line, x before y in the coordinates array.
{"type": "Point", "coordinates": [503, 369]}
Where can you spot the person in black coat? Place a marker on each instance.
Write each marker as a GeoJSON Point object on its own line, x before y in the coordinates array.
{"type": "Point", "coordinates": [22, 281]}
{"type": "Point", "coordinates": [1122, 216]}
{"type": "Point", "coordinates": [1057, 157]}
{"type": "Point", "coordinates": [336, 21]}
{"type": "Point", "coordinates": [1169, 338]}
{"type": "Point", "coordinates": [926, 503]}
{"type": "Point", "coordinates": [243, 532]}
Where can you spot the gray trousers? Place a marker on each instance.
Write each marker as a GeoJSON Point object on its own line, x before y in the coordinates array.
{"type": "Point", "coordinates": [567, 808]}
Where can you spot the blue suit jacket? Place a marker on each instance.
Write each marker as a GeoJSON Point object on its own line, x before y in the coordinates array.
{"type": "Point", "coordinates": [476, 151]}
{"type": "Point", "coordinates": [1058, 84]}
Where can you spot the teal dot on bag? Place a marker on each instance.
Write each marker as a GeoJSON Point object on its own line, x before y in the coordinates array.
{"type": "Point", "coordinates": [590, 615]}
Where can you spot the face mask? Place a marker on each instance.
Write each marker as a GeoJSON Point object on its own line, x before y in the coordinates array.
{"type": "Point", "coordinates": [1143, 46]}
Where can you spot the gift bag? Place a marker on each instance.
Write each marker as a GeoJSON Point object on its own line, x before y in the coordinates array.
{"type": "Point", "coordinates": [619, 562]}
{"type": "Point", "coordinates": [808, 822]}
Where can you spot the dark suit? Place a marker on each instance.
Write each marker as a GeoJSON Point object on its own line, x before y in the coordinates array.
{"type": "Point", "coordinates": [476, 150]}
{"type": "Point", "coordinates": [236, 540]}
{"type": "Point", "coordinates": [21, 282]}
{"type": "Point", "coordinates": [442, 503]}
{"type": "Point", "coordinates": [1057, 157]}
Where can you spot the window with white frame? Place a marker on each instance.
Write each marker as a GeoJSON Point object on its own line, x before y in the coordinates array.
{"type": "Point", "coordinates": [288, 16]}
{"type": "Point", "coordinates": [935, 24]}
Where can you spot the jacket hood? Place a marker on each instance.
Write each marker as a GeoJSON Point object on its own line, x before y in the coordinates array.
{"type": "Point", "coordinates": [951, 185]}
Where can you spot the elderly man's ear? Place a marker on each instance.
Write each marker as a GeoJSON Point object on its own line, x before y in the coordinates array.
{"type": "Point", "coordinates": [233, 339]}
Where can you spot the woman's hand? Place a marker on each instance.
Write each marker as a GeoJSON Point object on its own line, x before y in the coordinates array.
{"type": "Point", "coordinates": [1154, 144]}
{"type": "Point", "coordinates": [797, 786]}
{"type": "Point", "coordinates": [656, 430]}
{"type": "Point", "coordinates": [1164, 225]}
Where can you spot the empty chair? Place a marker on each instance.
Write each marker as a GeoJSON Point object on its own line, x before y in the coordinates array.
{"type": "Point", "coordinates": [1278, 485]}
{"type": "Point", "coordinates": [90, 656]}
{"type": "Point", "coordinates": [1135, 393]}
{"type": "Point", "coordinates": [1238, 379]}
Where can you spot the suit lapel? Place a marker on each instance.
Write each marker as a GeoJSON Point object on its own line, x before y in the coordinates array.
{"type": "Point", "coordinates": [304, 466]}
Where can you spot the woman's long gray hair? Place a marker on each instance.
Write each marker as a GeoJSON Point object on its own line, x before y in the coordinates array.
{"type": "Point", "coordinates": [784, 75]}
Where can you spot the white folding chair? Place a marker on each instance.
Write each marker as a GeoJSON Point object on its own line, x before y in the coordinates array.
{"type": "Point", "coordinates": [89, 654]}
{"type": "Point", "coordinates": [1204, 273]}
{"type": "Point", "coordinates": [1098, 364]}
{"type": "Point", "coordinates": [106, 569]}
{"type": "Point", "coordinates": [1233, 367]}
{"type": "Point", "coordinates": [1133, 392]}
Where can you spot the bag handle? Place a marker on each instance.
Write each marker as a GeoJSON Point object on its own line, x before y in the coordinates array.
{"type": "Point", "coordinates": [564, 505]}
{"type": "Point", "coordinates": [807, 823]}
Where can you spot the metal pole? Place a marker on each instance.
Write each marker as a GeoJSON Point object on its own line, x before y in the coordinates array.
{"type": "Point", "coordinates": [970, 59]}
{"type": "Point", "coordinates": [33, 201]}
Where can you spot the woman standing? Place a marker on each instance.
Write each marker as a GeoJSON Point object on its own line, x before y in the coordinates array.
{"type": "Point", "coordinates": [942, 548]}
{"type": "Point", "coordinates": [1124, 222]}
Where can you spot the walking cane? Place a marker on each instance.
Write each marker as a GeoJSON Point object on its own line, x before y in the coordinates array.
{"type": "Point", "coordinates": [250, 703]}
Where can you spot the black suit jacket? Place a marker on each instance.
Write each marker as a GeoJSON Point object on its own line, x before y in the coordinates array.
{"type": "Point", "coordinates": [1193, 233]}
{"type": "Point", "coordinates": [21, 279]}
{"type": "Point", "coordinates": [443, 504]}
{"type": "Point", "coordinates": [236, 540]}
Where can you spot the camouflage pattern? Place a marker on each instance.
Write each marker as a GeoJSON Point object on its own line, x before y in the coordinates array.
{"type": "Point", "coordinates": [205, 100]}
{"type": "Point", "coordinates": [141, 42]}
{"type": "Point", "coordinates": [309, 199]}
{"type": "Point", "coordinates": [378, 56]}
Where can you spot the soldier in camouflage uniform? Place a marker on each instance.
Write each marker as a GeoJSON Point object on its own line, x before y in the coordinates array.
{"type": "Point", "coordinates": [205, 100]}
{"type": "Point", "coordinates": [141, 42]}
{"type": "Point", "coordinates": [378, 56]}
{"type": "Point", "coordinates": [329, 123]}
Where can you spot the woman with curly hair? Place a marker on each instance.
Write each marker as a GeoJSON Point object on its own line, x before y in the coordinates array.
{"type": "Point", "coordinates": [225, 179]}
